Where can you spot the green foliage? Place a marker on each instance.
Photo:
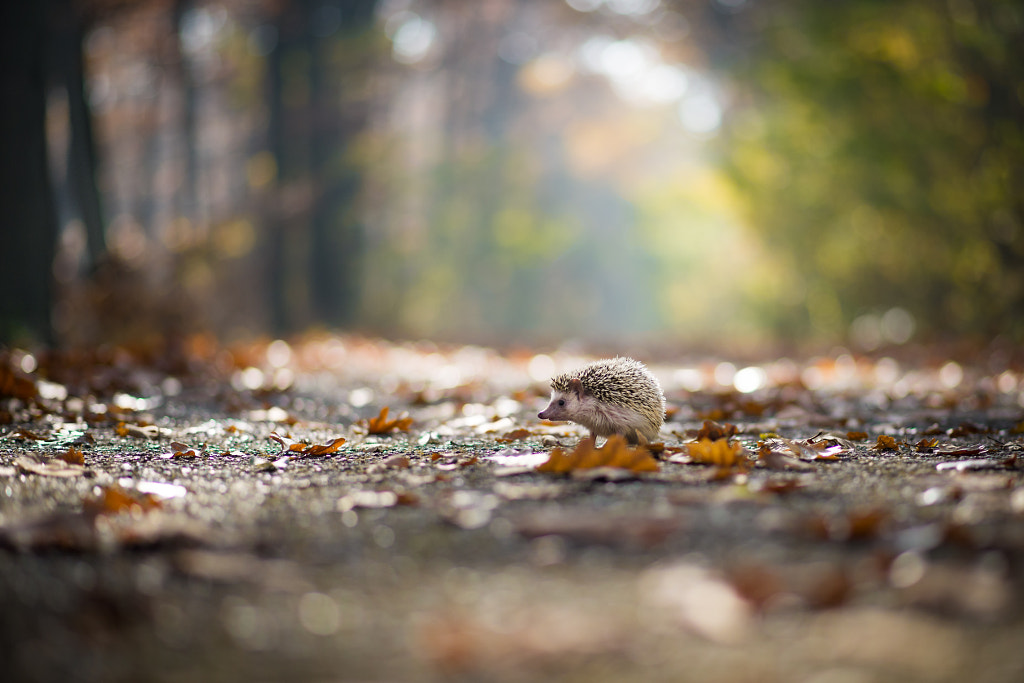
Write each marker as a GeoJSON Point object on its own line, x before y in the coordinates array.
{"type": "Point", "coordinates": [879, 151]}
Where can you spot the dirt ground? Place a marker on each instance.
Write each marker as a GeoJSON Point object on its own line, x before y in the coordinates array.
{"type": "Point", "coordinates": [200, 518]}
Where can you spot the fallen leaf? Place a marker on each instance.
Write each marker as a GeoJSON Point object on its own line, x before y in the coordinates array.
{"type": "Point", "coordinates": [113, 500]}
{"type": "Point", "coordinates": [657, 448]}
{"type": "Point", "coordinates": [713, 431]}
{"type": "Point", "coordinates": [886, 443]}
{"type": "Point", "coordinates": [515, 435]}
{"type": "Point", "coordinates": [953, 450]}
{"type": "Point", "coordinates": [720, 453]}
{"type": "Point", "coordinates": [381, 424]}
{"type": "Point", "coordinates": [325, 449]}
{"type": "Point", "coordinates": [48, 468]}
{"type": "Point", "coordinates": [180, 450]}
{"type": "Point", "coordinates": [27, 435]}
{"type": "Point", "coordinates": [138, 431]}
{"type": "Point", "coordinates": [777, 460]}
{"type": "Point", "coordinates": [293, 447]}
{"type": "Point", "coordinates": [614, 453]}
{"type": "Point", "coordinates": [73, 456]}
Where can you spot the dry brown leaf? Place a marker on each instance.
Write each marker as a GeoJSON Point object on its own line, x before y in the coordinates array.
{"type": "Point", "coordinates": [615, 453]}
{"type": "Point", "coordinates": [292, 447]}
{"type": "Point", "coordinates": [381, 424]}
{"type": "Point", "coordinates": [325, 449]}
{"type": "Point", "coordinates": [73, 456]}
{"type": "Point", "coordinates": [777, 460]}
{"type": "Point", "coordinates": [821, 447]}
{"type": "Point", "coordinates": [27, 435]}
{"type": "Point", "coordinates": [180, 450]}
{"type": "Point", "coordinates": [857, 436]}
{"type": "Point", "coordinates": [886, 443]}
{"type": "Point", "coordinates": [713, 431]}
{"type": "Point", "coordinates": [954, 450]}
{"type": "Point", "coordinates": [113, 500]}
{"type": "Point", "coordinates": [719, 453]}
{"type": "Point", "coordinates": [515, 435]}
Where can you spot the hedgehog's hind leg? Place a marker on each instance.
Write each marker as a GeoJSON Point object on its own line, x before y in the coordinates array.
{"type": "Point", "coordinates": [635, 438]}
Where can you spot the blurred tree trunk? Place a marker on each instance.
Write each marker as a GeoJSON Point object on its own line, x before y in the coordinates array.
{"type": "Point", "coordinates": [276, 141]}
{"type": "Point", "coordinates": [28, 237]}
{"type": "Point", "coordinates": [336, 239]}
{"type": "Point", "coordinates": [82, 161]}
{"type": "Point", "coordinates": [189, 195]}
{"type": "Point", "coordinates": [314, 239]}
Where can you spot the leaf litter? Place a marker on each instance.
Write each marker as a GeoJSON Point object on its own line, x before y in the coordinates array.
{"type": "Point", "coordinates": [472, 477]}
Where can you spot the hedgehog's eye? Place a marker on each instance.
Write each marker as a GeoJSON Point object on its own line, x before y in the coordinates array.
{"type": "Point", "coordinates": [561, 401]}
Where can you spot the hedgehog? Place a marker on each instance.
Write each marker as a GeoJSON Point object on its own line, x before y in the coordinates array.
{"type": "Point", "coordinates": [617, 396]}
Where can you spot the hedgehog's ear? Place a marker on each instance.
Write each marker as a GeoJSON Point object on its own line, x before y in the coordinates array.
{"type": "Point", "coordinates": [576, 387]}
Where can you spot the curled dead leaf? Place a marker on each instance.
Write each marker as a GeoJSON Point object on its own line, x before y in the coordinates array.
{"type": "Point", "coordinates": [714, 431]}
{"type": "Point", "coordinates": [124, 429]}
{"type": "Point", "coordinates": [886, 443]}
{"type": "Point", "coordinates": [296, 448]}
{"type": "Point", "coordinates": [382, 425]}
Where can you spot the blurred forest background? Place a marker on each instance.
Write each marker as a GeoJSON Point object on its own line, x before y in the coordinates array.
{"type": "Point", "coordinates": [704, 172]}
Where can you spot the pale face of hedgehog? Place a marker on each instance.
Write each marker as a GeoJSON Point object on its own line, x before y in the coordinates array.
{"type": "Point", "coordinates": [601, 418]}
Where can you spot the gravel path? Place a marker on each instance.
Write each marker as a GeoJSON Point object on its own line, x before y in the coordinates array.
{"type": "Point", "coordinates": [151, 528]}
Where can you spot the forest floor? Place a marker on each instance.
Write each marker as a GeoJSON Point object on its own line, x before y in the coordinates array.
{"type": "Point", "coordinates": [197, 516]}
